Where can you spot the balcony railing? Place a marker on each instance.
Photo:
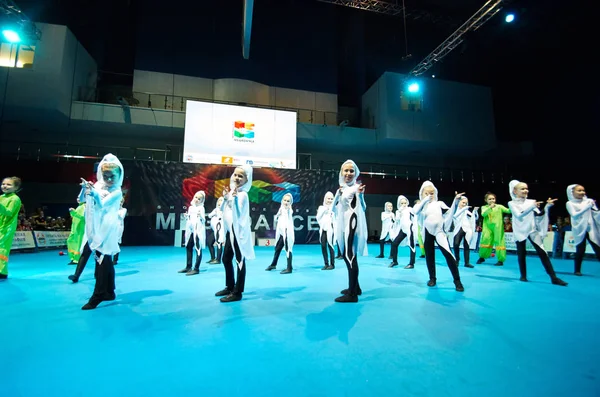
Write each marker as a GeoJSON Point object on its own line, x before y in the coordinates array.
{"type": "Point", "coordinates": [120, 96]}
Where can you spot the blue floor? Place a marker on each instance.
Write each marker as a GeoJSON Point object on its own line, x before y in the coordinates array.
{"type": "Point", "coordinates": [167, 334]}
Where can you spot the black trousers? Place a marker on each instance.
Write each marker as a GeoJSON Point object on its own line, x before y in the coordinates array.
{"type": "Point", "coordinates": [399, 238]}
{"type": "Point", "coordinates": [522, 255]}
{"type": "Point", "coordinates": [458, 237]}
{"type": "Point", "coordinates": [278, 248]}
{"type": "Point", "coordinates": [190, 248]}
{"type": "Point", "coordinates": [210, 241]}
{"type": "Point", "coordinates": [580, 252]}
{"type": "Point", "coordinates": [85, 256]}
{"type": "Point", "coordinates": [350, 258]}
{"type": "Point", "coordinates": [228, 254]}
{"type": "Point", "coordinates": [105, 278]}
{"type": "Point", "coordinates": [429, 245]}
{"type": "Point", "coordinates": [326, 247]}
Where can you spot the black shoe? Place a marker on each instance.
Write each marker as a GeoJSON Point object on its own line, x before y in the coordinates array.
{"type": "Point", "coordinates": [499, 263]}
{"type": "Point", "coordinates": [459, 286]}
{"type": "Point", "coordinates": [524, 279]}
{"type": "Point", "coordinates": [347, 299]}
{"type": "Point", "coordinates": [3, 276]}
{"type": "Point", "coordinates": [558, 281]}
{"type": "Point", "coordinates": [271, 267]}
{"type": "Point", "coordinates": [193, 272]}
{"type": "Point", "coordinates": [379, 256]}
{"type": "Point", "coordinates": [232, 298]}
{"type": "Point", "coordinates": [480, 261]}
{"type": "Point", "coordinates": [393, 264]}
{"type": "Point", "coordinates": [331, 267]}
{"type": "Point", "coordinates": [325, 267]}
{"type": "Point", "coordinates": [285, 271]}
{"type": "Point", "coordinates": [73, 278]}
{"type": "Point", "coordinates": [409, 266]}
{"type": "Point", "coordinates": [469, 265]}
{"type": "Point", "coordinates": [187, 269]}
{"type": "Point", "coordinates": [431, 282]}
{"type": "Point", "coordinates": [578, 274]}
{"type": "Point", "coordinates": [223, 292]}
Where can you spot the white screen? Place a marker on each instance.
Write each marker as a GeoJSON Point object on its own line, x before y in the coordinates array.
{"type": "Point", "coordinates": [227, 134]}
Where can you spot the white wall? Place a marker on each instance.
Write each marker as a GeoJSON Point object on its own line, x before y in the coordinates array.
{"type": "Point", "coordinates": [314, 107]}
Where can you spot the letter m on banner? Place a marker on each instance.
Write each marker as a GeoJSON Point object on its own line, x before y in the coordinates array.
{"type": "Point", "coordinates": [165, 224]}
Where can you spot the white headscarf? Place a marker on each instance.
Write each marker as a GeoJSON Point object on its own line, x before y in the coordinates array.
{"type": "Point", "coordinates": [341, 176]}
{"type": "Point", "coordinates": [246, 186]}
{"type": "Point", "coordinates": [570, 196]}
{"type": "Point", "coordinates": [511, 188]}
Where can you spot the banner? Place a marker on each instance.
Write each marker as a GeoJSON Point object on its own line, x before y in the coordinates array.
{"type": "Point", "coordinates": [569, 244]}
{"type": "Point", "coordinates": [511, 245]}
{"type": "Point", "coordinates": [46, 239]}
{"type": "Point", "coordinates": [160, 193]}
{"type": "Point", "coordinates": [23, 240]}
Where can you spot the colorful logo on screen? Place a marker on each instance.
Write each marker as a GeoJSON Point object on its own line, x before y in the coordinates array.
{"type": "Point", "coordinates": [243, 131]}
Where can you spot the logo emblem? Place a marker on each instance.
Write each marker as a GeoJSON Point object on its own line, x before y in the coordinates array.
{"type": "Point", "coordinates": [243, 131]}
{"type": "Point", "coordinates": [226, 160]}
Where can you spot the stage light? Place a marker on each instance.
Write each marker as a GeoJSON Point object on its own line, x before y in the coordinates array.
{"type": "Point", "coordinates": [509, 18]}
{"type": "Point", "coordinates": [433, 76]}
{"type": "Point", "coordinates": [11, 36]}
{"type": "Point", "coordinates": [413, 87]}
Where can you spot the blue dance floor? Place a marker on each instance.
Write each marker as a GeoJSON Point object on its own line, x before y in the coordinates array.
{"type": "Point", "coordinates": [166, 334]}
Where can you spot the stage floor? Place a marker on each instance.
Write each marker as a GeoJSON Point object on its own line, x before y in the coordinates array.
{"type": "Point", "coordinates": [166, 334]}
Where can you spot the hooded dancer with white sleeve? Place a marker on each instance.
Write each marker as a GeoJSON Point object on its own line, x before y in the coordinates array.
{"type": "Point", "coordinates": [387, 223]}
{"type": "Point", "coordinates": [585, 223]}
{"type": "Point", "coordinates": [433, 224]}
{"type": "Point", "coordinates": [464, 226]}
{"type": "Point", "coordinates": [103, 200]}
{"type": "Point", "coordinates": [195, 233]}
{"type": "Point", "coordinates": [326, 220]}
{"type": "Point", "coordinates": [403, 228]}
{"type": "Point", "coordinates": [284, 233]}
{"type": "Point", "coordinates": [530, 223]}
{"type": "Point", "coordinates": [351, 226]}
{"type": "Point", "coordinates": [122, 215]}
{"type": "Point", "coordinates": [218, 233]}
{"type": "Point", "coordinates": [238, 234]}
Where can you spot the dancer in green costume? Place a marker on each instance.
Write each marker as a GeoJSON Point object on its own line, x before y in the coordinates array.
{"type": "Point", "coordinates": [10, 204]}
{"type": "Point", "coordinates": [492, 230]}
{"type": "Point", "coordinates": [419, 236]}
{"type": "Point", "coordinates": [77, 232]}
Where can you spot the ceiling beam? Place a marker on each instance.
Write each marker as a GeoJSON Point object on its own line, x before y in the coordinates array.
{"type": "Point", "coordinates": [247, 28]}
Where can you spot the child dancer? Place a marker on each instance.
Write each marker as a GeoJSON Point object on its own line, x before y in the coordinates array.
{"type": "Point", "coordinates": [238, 236]}
{"type": "Point", "coordinates": [326, 220]}
{"type": "Point", "coordinates": [86, 251]}
{"type": "Point", "coordinates": [387, 222]}
{"type": "Point", "coordinates": [433, 224]}
{"type": "Point", "coordinates": [585, 223]}
{"type": "Point", "coordinates": [492, 230]}
{"type": "Point", "coordinates": [102, 210]}
{"type": "Point", "coordinates": [195, 234]}
{"type": "Point", "coordinates": [464, 226]}
{"type": "Point", "coordinates": [122, 215]}
{"type": "Point", "coordinates": [403, 228]}
{"type": "Point", "coordinates": [530, 223]}
{"type": "Point", "coordinates": [284, 233]}
{"type": "Point", "coordinates": [218, 234]}
{"type": "Point", "coordinates": [75, 239]}
{"type": "Point", "coordinates": [351, 226]}
{"type": "Point", "coordinates": [10, 205]}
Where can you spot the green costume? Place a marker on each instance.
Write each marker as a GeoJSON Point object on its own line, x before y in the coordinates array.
{"type": "Point", "coordinates": [421, 247]}
{"type": "Point", "coordinates": [10, 205]}
{"type": "Point", "coordinates": [77, 232]}
{"type": "Point", "coordinates": [492, 232]}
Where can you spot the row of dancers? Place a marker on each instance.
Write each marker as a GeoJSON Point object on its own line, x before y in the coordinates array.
{"type": "Point", "coordinates": [341, 218]}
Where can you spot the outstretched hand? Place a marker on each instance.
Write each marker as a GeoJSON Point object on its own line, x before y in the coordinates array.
{"type": "Point", "coordinates": [361, 188]}
{"type": "Point", "coordinates": [550, 201]}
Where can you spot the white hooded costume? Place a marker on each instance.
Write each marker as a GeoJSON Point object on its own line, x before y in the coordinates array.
{"type": "Point", "coordinates": [387, 223]}
{"type": "Point", "coordinates": [326, 220]}
{"type": "Point", "coordinates": [195, 227]}
{"type": "Point", "coordinates": [102, 211]}
{"type": "Point", "coordinates": [585, 217]}
{"type": "Point", "coordinates": [431, 218]}
{"type": "Point", "coordinates": [285, 225]}
{"type": "Point", "coordinates": [465, 220]}
{"type": "Point", "coordinates": [525, 222]}
{"type": "Point", "coordinates": [403, 221]}
{"type": "Point", "coordinates": [236, 216]}
{"type": "Point", "coordinates": [216, 224]}
{"type": "Point", "coordinates": [349, 206]}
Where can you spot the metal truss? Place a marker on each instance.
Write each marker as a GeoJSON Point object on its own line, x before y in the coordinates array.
{"type": "Point", "coordinates": [15, 15]}
{"type": "Point", "coordinates": [382, 7]}
{"type": "Point", "coordinates": [489, 9]}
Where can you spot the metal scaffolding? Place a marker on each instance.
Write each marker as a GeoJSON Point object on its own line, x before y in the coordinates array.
{"type": "Point", "coordinates": [382, 7]}
{"type": "Point", "coordinates": [26, 27]}
{"type": "Point", "coordinates": [489, 9]}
